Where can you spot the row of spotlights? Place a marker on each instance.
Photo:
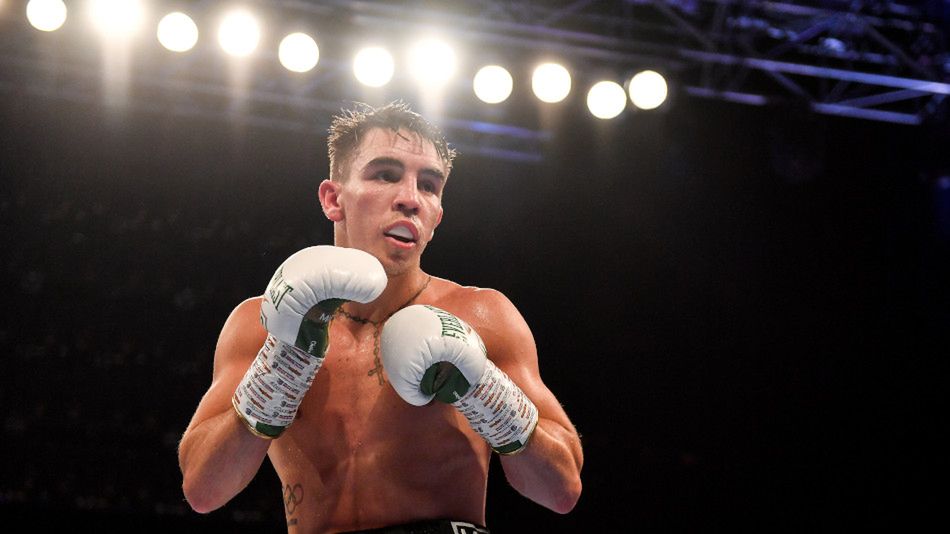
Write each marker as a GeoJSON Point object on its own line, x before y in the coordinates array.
{"type": "Point", "coordinates": [432, 62]}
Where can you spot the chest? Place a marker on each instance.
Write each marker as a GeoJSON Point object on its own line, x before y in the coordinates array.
{"type": "Point", "coordinates": [353, 366]}
{"type": "Point", "coordinates": [352, 425]}
{"type": "Point", "coordinates": [351, 398]}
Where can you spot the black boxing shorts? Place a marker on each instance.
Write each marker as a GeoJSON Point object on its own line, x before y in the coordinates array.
{"type": "Point", "coordinates": [441, 526]}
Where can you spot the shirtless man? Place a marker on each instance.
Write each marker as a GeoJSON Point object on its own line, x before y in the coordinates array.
{"type": "Point", "coordinates": [395, 425]}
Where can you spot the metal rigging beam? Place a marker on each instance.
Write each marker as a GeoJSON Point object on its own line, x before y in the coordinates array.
{"type": "Point", "coordinates": [882, 61]}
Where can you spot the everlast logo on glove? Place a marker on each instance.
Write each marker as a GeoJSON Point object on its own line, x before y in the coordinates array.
{"type": "Point", "coordinates": [451, 325]}
{"type": "Point", "coordinates": [278, 289]}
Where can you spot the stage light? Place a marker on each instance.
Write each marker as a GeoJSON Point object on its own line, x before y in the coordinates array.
{"type": "Point", "coordinates": [432, 62]}
{"type": "Point", "coordinates": [373, 66]}
{"type": "Point", "coordinates": [492, 84]}
{"type": "Point", "coordinates": [239, 33]}
{"type": "Point", "coordinates": [606, 100]}
{"type": "Point", "coordinates": [648, 89]}
{"type": "Point", "coordinates": [117, 18]}
{"type": "Point", "coordinates": [298, 52]}
{"type": "Point", "coordinates": [177, 32]}
{"type": "Point", "coordinates": [551, 82]}
{"type": "Point", "coordinates": [46, 15]}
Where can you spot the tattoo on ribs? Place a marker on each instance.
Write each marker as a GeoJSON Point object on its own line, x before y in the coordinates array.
{"type": "Point", "coordinates": [293, 496]}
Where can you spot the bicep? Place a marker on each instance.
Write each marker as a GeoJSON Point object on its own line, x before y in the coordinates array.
{"type": "Point", "coordinates": [511, 346]}
{"type": "Point", "coordinates": [240, 339]}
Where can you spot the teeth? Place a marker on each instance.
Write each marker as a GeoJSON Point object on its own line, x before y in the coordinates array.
{"type": "Point", "coordinates": [401, 231]}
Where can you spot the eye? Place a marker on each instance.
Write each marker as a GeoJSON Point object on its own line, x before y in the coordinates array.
{"type": "Point", "coordinates": [388, 176]}
{"type": "Point", "coordinates": [429, 187]}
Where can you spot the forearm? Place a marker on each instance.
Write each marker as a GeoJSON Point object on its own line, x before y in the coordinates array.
{"type": "Point", "coordinates": [548, 470]}
{"type": "Point", "coordinates": [218, 458]}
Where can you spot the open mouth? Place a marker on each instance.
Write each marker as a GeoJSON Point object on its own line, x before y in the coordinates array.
{"type": "Point", "coordinates": [401, 233]}
{"type": "Point", "coordinates": [401, 238]}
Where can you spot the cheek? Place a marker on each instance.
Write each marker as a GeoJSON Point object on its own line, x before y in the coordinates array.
{"type": "Point", "coordinates": [365, 204]}
{"type": "Point", "coordinates": [433, 215]}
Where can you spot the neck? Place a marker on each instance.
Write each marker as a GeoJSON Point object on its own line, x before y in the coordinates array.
{"type": "Point", "coordinates": [399, 290]}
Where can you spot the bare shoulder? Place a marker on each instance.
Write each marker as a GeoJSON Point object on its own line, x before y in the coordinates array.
{"type": "Point", "coordinates": [240, 338]}
{"type": "Point", "coordinates": [477, 305]}
{"type": "Point", "coordinates": [248, 310]}
{"type": "Point", "coordinates": [495, 318]}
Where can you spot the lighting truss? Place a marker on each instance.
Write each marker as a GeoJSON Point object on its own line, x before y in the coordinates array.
{"type": "Point", "coordinates": [881, 61]}
{"type": "Point", "coordinates": [876, 60]}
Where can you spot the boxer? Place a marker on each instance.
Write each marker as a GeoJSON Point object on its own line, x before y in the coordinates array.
{"type": "Point", "coordinates": [377, 391]}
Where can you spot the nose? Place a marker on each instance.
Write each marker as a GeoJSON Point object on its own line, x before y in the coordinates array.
{"type": "Point", "coordinates": [406, 200]}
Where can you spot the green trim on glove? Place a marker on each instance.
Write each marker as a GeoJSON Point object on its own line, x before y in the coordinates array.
{"type": "Point", "coordinates": [445, 381]}
{"type": "Point", "coordinates": [313, 336]}
{"type": "Point", "coordinates": [510, 448]}
{"type": "Point", "coordinates": [257, 428]}
{"type": "Point", "coordinates": [270, 431]}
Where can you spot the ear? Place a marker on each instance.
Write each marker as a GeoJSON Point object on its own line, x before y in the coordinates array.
{"type": "Point", "coordinates": [329, 193]}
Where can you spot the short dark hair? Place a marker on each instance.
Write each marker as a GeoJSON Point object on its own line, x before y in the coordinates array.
{"type": "Point", "coordinates": [347, 128]}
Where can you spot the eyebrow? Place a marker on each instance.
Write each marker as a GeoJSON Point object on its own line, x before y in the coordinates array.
{"type": "Point", "coordinates": [384, 161]}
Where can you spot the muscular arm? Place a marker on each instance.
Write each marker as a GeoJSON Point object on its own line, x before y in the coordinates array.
{"type": "Point", "coordinates": [548, 470]}
{"type": "Point", "coordinates": [217, 454]}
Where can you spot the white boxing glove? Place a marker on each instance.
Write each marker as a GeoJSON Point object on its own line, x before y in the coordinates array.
{"type": "Point", "coordinates": [299, 303]}
{"type": "Point", "coordinates": [430, 353]}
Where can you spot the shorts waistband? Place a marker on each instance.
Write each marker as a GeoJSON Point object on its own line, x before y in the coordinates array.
{"type": "Point", "coordinates": [440, 526]}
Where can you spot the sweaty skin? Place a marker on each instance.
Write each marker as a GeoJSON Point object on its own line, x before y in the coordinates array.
{"type": "Point", "coordinates": [358, 456]}
{"type": "Point", "coordinates": [363, 456]}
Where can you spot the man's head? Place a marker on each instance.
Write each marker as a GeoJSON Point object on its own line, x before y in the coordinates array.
{"type": "Point", "coordinates": [349, 128]}
{"type": "Point", "coordinates": [388, 170]}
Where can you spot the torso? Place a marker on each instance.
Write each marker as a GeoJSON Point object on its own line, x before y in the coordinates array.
{"type": "Point", "coordinates": [359, 457]}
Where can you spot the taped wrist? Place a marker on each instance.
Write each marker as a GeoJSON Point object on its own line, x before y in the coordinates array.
{"type": "Point", "coordinates": [273, 387]}
{"type": "Point", "coordinates": [499, 411]}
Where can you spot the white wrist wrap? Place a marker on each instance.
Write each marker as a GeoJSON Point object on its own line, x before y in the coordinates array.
{"type": "Point", "coordinates": [499, 411]}
{"type": "Point", "coordinates": [273, 387]}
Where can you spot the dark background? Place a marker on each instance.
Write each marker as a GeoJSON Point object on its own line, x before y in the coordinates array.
{"type": "Point", "coordinates": [742, 309]}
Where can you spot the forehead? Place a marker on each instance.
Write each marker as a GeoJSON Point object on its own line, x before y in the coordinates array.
{"type": "Point", "coordinates": [404, 145]}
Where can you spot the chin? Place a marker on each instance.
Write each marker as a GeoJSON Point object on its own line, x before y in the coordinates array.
{"type": "Point", "coordinates": [396, 264]}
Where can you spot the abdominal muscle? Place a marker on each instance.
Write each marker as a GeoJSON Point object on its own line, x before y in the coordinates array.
{"type": "Point", "coordinates": [359, 457]}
